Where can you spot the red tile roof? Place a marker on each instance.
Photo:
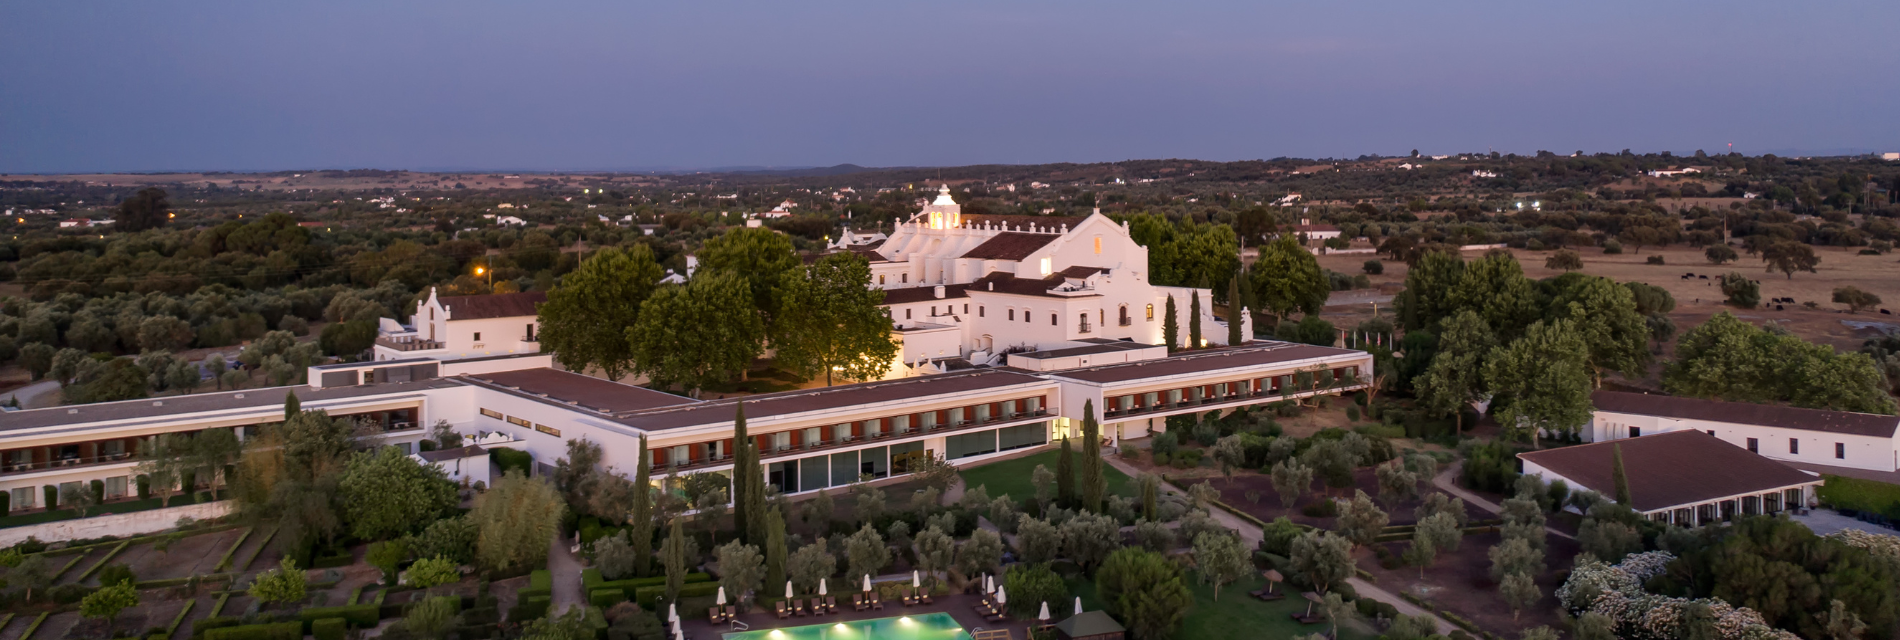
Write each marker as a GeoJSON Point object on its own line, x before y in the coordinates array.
{"type": "Point", "coordinates": [565, 387]}
{"type": "Point", "coordinates": [1010, 245]}
{"type": "Point", "coordinates": [1644, 404]}
{"type": "Point", "coordinates": [500, 305]}
{"type": "Point", "coordinates": [1669, 470]}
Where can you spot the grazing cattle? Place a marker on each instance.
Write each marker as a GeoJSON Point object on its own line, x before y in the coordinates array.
{"type": "Point", "coordinates": [1703, 277]}
{"type": "Point", "coordinates": [1885, 312]}
{"type": "Point", "coordinates": [1778, 308]}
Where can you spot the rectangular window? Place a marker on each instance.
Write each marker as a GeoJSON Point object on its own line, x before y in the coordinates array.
{"type": "Point", "coordinates": [478, 336]}
{"type": "Point", "coordinates": [1840, 451]}
{"type": "Point", "coordinates": [682, 454]}
{"type": "Point", "coordinates": [520, 422]}
{"type": "Point", "coordinates": [23, 498]}
{"type": "Point", "coordinates": [1636, 432]}
{"type": "Point", "coordinates": [1151, 313]}
{"type": "Point", "coordinates": [115, 488]}
{"type": "Point", "coordinates": [548, 430]}
{"type": "Point", "coordinates": [1012, 314]}
{"type": "Point", "coordinates": [983, 412]}
{"type": "Point", "coordinates": [1794, 445]}
{"type": "Point", "coordinates": [813, 473]}
{"type": "Point", "coordinates": [902, 453]}
{"type": "Point", "coordinates": [900, 424]}
{"type": "Point", "coordinates": [969, 444]}
{"type": "Point", "coordinates": [875, 461]}
{"type": "Point", "coordinates": [492, 413]}
{"type": "Point", "coordinates": [1033, 404]}
{"type": "Point", "coordinates": [844, 468]}
{"type": "Point", "coordinates": [956, 416]}
{"type": "Point", "coordinates": [906, 314]}
{"type": "Point", "coordinates": [929, 420]}
{"type": "Point", "coordinates": [781, 441]}
{"type": "Point", "coordinates": [979, 311]}
{"type": "Point", "coordinates": [1054, 320]}
{"type": "Point", "coordinates": [783, 475]}
{"type": "Point", "coordinates": [1754, 446]}
{"type": "Point", "coordinates": [814, 437]}
{"type": "Point", "coordinates": [1028, 435]}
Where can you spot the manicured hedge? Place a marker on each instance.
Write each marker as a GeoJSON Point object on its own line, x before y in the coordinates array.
{"type": "Point", "coordinates": [275, 631]}
{"type": "Point", "coordinates": [540, 583]}
{"type": "Point", "coordinates": [529, 608]}
{"type": "Point", "coordinates": [648, 596]}
{"type": "Point", "coordinates": [201, 627]}
{"type": "Point", "coordinates": [361, 616]}
{"type": "Point", "coordinates": [329, 629]}
{"type": "Point", "coordinates": [605, 598]}
{"type": "Point", "coordinates": [590, 582]}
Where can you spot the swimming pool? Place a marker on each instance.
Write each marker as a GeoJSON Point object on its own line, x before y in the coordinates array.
{"type": "Point", "coordinates": [929, 626]}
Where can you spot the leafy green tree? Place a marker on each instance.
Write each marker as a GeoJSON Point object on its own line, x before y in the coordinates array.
{"type": "Point", "coordinates": [1093, 484]}
{"type": "Point", "coordinates": [1220, 559]}
{"type": "Point", "coordinates": [285, 583]}
{"type": "Point", "coordinates": [1789, 256]}
{"type": "Point", "coordinates": [431, 618]}
{"type": "Point", "coordinates": [741, 568]}
{"type": "Point", "coordinates": [108, 601]}
{"type": "Point", "coordinates": [1088, 538]}
{"type": "Point", "coordinates": [865, 552]}
{"type": "Point", "coordinates": [1291, 480]}
{"type": "Point", "coordinates": [1605, 315]}
{"type": "Point", "coordinates": [1031, 585]}
{"type": "Point", "coordinates": [982, 553]}
{"type": "Point", "coordinates": [452, 538]}
{"type": "Point", "coordinates": [150, 208]}
{"type": "Point", "coordinates": [37, 358]}
{"type": "Point", "coordinates": [1719, 254]}
{"type": "Point", "coordinates": [698, 334]}
{"type": "Point", "coordinates": [429, 573]}
{"type": "Point", "coordinates": [1234, 333]}
{"type": "Point", "coordinates": [1037, 540]}
{"type": "Point", "coordinates": [32, 573]}
{"type": "Point", "coordinates": [1145, 590]}
{"type": "Point", "coordinates": [387, 556]}
{"type": "Point", "coordinates": [572, 625]}
{"type": "Point", "coordinates": [1855, 299]}
{"type": "Point", "coordinates": [813, 562]}
{"type": "Point", "coordinates": [1496, 288]}
{"type": "Point", "coordinates": [386, 494]}
{"type": "Point", "coordinates": [1520, 592]}
{"type": "Point", "coordinates": [640, 516]}
{"type": "Point", "coordinates": [839, 326]}
{"type": "Point", "coordinates": [1170, 328]}
{"type": "Point", "coordinates": [1515, 556]}
{"type": "Point", "coordinates": [1287, 278]}
{"type": "Point", "coordinates": [1565, 260]}
{"type": "Point", "coordinates": [1543, 381]}
{"type": "Point", "coordinates": [760, 258]}
{"type": "Point", "coordinates": [1455, 378]}
{"type": "Point", "coordinates": [514, 520]}
{"type": "Point", "coordinates": [1725, 358]}
{"type": "Point", "coordinates": [1443, 530]}
{"type": "Point", "coordinates": [1428, 286]}
{"type": "Point", "coordinates": [1361, 521]}
{"type": "Point", "coordinates": [583, 323]}
{"type": "Point", "coordinates": [1396, 483]}
{"type": "Point", "coordinates": [1323, 558]}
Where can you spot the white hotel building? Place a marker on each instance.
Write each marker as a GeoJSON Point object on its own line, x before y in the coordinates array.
{"type": "Point", "coordinates": [1009, 328]}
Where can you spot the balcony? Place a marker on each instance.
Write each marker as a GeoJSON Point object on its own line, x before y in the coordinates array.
{"type": "Point", "coordinates": [408, 343]}
{"type": "Point", "coordinates": [1127, 321]}
{"type": "Point", "coordinates": [11, 468]}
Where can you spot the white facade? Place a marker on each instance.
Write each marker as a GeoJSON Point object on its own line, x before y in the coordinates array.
{"type": "Point", "coordinates": [436, 332]}
{"type": "Point", "coordinates": [1783, 443]}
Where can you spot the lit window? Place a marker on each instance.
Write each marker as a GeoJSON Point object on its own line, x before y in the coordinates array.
{"type": "Point", "coordinates": [880, 279]}
{"type": "Point", "coordinates": [548, 430]}
{"type": "Point", "coordinates": [1045, 266]}
{"type": "Point", "coordinates": [492, 413]}
{"type": "Point", "coordinates": [1098, 244]}
{"type": "Point", "coordinates": [1151, 313]}
{"type": "Point", "coordinates": [520, 422]}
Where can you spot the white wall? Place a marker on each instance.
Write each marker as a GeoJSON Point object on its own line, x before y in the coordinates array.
{"type": "Point", "coordinates": [1817, 447]}
{"type": "Point", "coordinates": [118, 524]}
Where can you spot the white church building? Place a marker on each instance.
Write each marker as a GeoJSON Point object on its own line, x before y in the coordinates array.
{"type": "Point", "coordinates": [988, 289]}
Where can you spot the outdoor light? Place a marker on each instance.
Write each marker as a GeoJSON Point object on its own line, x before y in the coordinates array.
{"type": "Point", "coordinates": [479, 271]}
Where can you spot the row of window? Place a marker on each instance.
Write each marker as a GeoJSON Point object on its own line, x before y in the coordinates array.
{"type": "Point", "coordinates": [521, 422]}
{"type": "Point", "coordinates": [24, 498]}
{"type": "Point", "coordinates": [1754, 445]}
{"type": "Point", "coordinates": [1054, 319]}
{"type": "Point", "coordinates": [1220, 391]}
{"type": "Point", "coordinates": [850, 432]}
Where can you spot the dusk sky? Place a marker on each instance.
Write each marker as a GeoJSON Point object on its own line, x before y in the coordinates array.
{"type": "Point", "coordinates": [210, 85]}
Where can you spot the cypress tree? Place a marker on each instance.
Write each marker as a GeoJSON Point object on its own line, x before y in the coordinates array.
{"type": "Point", "coordinates": [1093, 485]}
{"type": "Point", "coordinates": [1149, 499]}
{"type": "Point", "coordinates": [755, 497]}
{"type": "Point", "coordinates": [1621, 479]}
{"type": "Point", "coordinates": [675, 561]}
{"type": "Point", "coordinates": [1065, 476]}
{"type": "Point", "coordinates": [1233, 311]}
{"type": "Point", "coordinates": [1170, 330]}
{"type": "Point", "coordinates": [292, 406]}
{"type": "Point", "coordinates": [774, 551]}
{"type": "Point", "coordinates": [1194, 319]}
{"type": "Point", "coordinates": [741, 456]}
{"type": "Point", "coordinates": [641, 518]}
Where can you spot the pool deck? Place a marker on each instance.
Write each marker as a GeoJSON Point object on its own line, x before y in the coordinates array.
{"type": "Point", "coordinates": [959, 606]}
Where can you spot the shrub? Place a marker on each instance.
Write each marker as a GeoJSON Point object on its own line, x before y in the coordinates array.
{"type": "Point", "coordinates": [606, 598]}
{"type": "Point", "coordinates": [328, 629]}
{"type": "Point", "coordinates": [506, 458]}
{"type": "Point", "coordinates": [529, 608]}
{"type": "Point", "coordinates": [1162, 459]}
{"type": "Point", "coordinates": [1321, 509]}
{"type": "Point", "coordinates": [1187, 459]}
{"type": "Point", "coordinates": [361, 616]}
{"type": "Point", "coordinates": [275, 631]}
{"type": "Point", "coordinates": [1612, 247]}
{"type": "Point", "coordinates": [1352, 412]}
{"type": "Point", "coordinates": [1374, 267]}
{"type": "Point", "coordinates": [1653, 260]}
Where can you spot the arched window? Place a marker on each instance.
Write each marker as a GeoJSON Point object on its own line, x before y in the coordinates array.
{"type": "Point", "coordinates": [880, 280]}
{"type": "Point", "coordinates": [1123, 315]}
{"type": "Point", "coordinates": [1012, 314]}
{"type": "Point", "coordinates": [1054, 320]}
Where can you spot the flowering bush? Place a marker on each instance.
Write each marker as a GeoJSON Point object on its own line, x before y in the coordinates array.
{"type": "Point", "coordinates": [1875, 543]}
{"type": "Point", "coordinates": [1617, 591]}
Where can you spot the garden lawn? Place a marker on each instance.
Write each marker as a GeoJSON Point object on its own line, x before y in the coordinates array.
{"type": "Point", "coordinates": [1859, 495]}
{"type": "Point", "coordinates": [1236, 611]}
{"type": "Point", "coordinates": [1011, 477]}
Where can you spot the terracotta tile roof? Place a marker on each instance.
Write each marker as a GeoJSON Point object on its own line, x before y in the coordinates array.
{"type": "Point", "coordinates": [1010, 245]}
{"type": "Point", "coordinates": [1858, 424]}
{"type": "Point", "coordinates": [1669, 470]}
{"type": "Point", "coordinates": [1002, 282]}
{"type": "Point", "coordinates": [909, 295]}
{"type": "Point", "coordinates": [565, 387]}
{"type": "Point", "coordinates": [1081, 272]}
{"type": "Point", "coordinates": [500, 305]}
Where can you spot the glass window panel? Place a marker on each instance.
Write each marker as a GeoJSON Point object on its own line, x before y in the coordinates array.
{"type": "Point", "coordinates": [1017, 437]}
{"type": "Point", "coordinates": [901, 454]}
{"type": "Point", "coordinates": [875, 461]}
{"type": "Point", "coordinates": [969, 444]}
{"type": "Point", "coordinates": [844, 468]}
{"type": "Point", "coordinates": [783, 475]}
{"type": "Point", "coordinates": [813, 473]}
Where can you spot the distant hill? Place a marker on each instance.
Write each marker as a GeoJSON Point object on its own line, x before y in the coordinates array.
{"type": "Point", "coordinates": [809, 172]}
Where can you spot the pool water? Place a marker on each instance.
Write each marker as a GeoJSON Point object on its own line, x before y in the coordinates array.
{"type": "Point", "coordinates": [929, 626]}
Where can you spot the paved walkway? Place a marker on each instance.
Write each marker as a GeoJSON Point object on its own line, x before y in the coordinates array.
{"type": "Point", "coordinates": [38, 395]}
{"type": "Point", "coordinates": [564, 570]}
{"type": "Point", "coordinates": [1889, 477]}
{"type": "Point", "coordinates": [1825, 521]}
{"type": "Point", "coordinates": [1251, 534]}
{"type": "Point", "coordinates": [1446, 481]}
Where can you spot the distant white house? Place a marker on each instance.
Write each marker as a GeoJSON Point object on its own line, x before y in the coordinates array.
{"type": "Point", "coordinates": [1480, 173]}
{"type": "Point", "coordinates": [1668, 173]}
{"type": "Point", "coordinates": [1287, 200]}
{"type": "Point", "coordinates": [506, 220]}
{"type": "Point", "coordinates": [1890, 156]}
{"type": "Point", "coordinates": [1316, 231]}
{"type": "Point", "coordinates": [456, 327]}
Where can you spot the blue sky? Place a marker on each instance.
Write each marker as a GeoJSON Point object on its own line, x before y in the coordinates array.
{"type": "Point", "coordinates": [215, 85]}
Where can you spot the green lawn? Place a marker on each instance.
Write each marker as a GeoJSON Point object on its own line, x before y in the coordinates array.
{"type": "Point", "coordinates": [1861, 495]}
{"type": "Point", "coordinates": [1011, 477]}
{"type": "Point", "coordinates": [1235, 615]}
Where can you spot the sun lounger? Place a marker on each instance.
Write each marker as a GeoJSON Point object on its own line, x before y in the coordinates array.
{"type": "Point", "coordinates": [877, 603]}
{"type": "Point", "coordinates": [784, 611]}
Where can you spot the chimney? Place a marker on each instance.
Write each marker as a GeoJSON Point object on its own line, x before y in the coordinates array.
{"type": "Point", "coordinates": [939, 291]}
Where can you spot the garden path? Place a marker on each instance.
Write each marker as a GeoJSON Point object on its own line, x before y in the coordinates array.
{"type": "Point", "coordinates": [1446, 481]}
{"type": "Point", "coordinates": [564, 571]}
